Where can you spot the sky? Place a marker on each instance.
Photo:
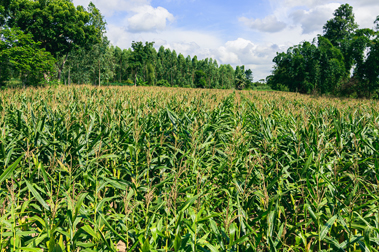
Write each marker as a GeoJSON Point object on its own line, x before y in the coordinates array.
{"type": "Point", "coordinates": [238, 32]}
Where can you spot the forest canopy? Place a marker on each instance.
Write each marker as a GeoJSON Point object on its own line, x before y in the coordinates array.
{"type": "Point", "coordinates": [76, 50]}
{"type": "Point", "coordinates": [342, 61]}
{"type": "Point", "coordinates": [61, 43]}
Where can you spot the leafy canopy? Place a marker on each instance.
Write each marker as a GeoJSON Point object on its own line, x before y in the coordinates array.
{"type": "Point", "coordinates": [58, 25]}
{"type": "Point", "coordinates": [19, 52]}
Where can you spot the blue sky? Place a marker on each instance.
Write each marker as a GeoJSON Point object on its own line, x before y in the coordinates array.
{"type": "Point", "coordinates": [232, 32]}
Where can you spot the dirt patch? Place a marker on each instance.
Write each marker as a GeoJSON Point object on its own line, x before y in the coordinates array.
{"type": "Point", "coordinates": [121, 247]}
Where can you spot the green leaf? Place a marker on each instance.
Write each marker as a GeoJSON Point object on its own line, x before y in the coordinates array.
{"type": "Point", "coordinates": [30, 249]}
{"type": "Point", "coordinates": [37, 195]}
{"type": "Point", "coordinates": [326, 227]}
{"type": "Point", "coordinates": [90, 231]}
{"type": "Point", "coordinates": [189, 202]}
{"type": "Point", "coordinates": [177, 242]}
{"type": "Point", "coordinates": [7, 173]}
{"type": "Point", "coordinates": [146, 246]}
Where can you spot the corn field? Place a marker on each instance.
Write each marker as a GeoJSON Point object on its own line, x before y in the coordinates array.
{"type": "Point", "coordinates": [160, 169]}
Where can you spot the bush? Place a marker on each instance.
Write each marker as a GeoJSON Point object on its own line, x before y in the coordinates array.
{"type": "Point", "coordinates": [128, 82]}
{"type": "Point", "coordinates": [163, 83]}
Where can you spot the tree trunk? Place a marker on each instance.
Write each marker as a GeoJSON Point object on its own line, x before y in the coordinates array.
{"type": "Point", "coordinates": [69, 77]}
{"type": "Point", "coordinates": [46, 77]}
{"type": "Point", "coordinates": [99, 72]}
{"type": "Point", "coordinates": [135, 79]}
{"type": "Point", "coordinates": [60, 68]}
{"type": "Point", "coordinates": [120, 70]}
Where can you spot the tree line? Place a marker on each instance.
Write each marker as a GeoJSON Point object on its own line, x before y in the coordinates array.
{"type": "Point", "coordinates": [342, 61]}
{"type": "Point", "coordinates": [54, 41]}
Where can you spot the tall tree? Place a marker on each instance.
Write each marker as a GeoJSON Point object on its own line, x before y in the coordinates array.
{"type": "Point", "coordinates": [341, 26]}
{"type": "Point", "coordinates": [58, 25]}
{"type": "Point", "coordinates": [139, 58]}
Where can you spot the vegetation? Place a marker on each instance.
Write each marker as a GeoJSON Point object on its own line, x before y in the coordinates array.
{"type": "Point", "coordinates": [158, 169]}
{"type": "Point", "coordinates": [74, 37]}
{"type": "Point", "coordinates": [344, 61]}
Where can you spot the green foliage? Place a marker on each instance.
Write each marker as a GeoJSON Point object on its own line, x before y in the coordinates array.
{"type": "Point", "coordinates": [200, 79]}
{"type": "Point", "coordinates": [58, 25]}
{"type": "Point", "coordinates": [146, 169]}
{"type": "Point", "coordinates": [327, 67]}
{"type": "Point", "coordinates": [19, 52]}
{"type": "Point", "coordinates": [150, 74]}
{"type": "Point", "coordinates": [342, 26]}
{"type": "Point", "coordinates": [140, 82]}
{"type": "Point", "coordinates": [163, 83]}
{"type": "Point", "coordinates": [4, 11]}
{"type": "Point", "coordinates": [306, 68]}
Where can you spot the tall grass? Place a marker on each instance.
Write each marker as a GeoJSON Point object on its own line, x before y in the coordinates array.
{"type": "Point", "coordinates": [159, 169]}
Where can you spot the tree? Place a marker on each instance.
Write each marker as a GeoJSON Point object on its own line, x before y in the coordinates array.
{"type": "Point", "coordinates": [139, 58]}
{"type": "Point", "coordinates": [371, 66]}
{"type": "Point", "coordinates": [4, 11]}
{"type": "Point", "coordinates": [306, 68]}
{"type": "Point", "coordinates": [200, 79]}
{"type": "Point", "coordinates": [150, 74]}
{"type": "Point", "coordinates": [57, 25]}
{"type": "Point", "coordinates": [331, 66]}
{"type": "Point", "coordinates": [20, 52]}
{"type": "Point", "coordinates": [249, 74]}
{"type": "Point", "coordinates": [341, 26]}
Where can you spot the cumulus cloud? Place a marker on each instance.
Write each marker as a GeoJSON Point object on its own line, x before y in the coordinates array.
{"type": "Point", "coordinates": [290, 22]}
{"type": "Point", "coordinates": [267, 24]}
{"type": "Point", "coordinates": [313, 20]}
{"type": "Point", "coordinates": [257, 57]}
{"type": "Point", "coordinates": [185, 41]}
{"type": "Point", "coordinates": [148, 18]}
{"type": "Point", "coordinates": [245, 52]}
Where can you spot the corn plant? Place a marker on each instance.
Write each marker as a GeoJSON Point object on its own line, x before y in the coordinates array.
{"type": "Point", "coordinates": [160, 169]}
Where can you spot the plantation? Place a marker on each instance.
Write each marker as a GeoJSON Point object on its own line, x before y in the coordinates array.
{"type": "Point", "coordinates": [164, 169]}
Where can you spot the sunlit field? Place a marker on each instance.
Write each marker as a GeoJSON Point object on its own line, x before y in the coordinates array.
{"type": "Point", "coordinates": [171, 169]}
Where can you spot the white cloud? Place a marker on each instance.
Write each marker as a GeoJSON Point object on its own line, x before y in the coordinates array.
{"type": "Point", "coordinates": [267, 24]}
{"type": "Point", "coordinates": [290, 22]}
{"type": "Point", "coordinates": [185, 41]}
{"type": "Point", "coordinates": [257, 57]}
{"type": "Point", "coordinates": [241, 51]}
{"type": "Point", "coordinates": [365, 15]}
{"type": "Point", "coordinates": [148, 18]}
{"type": "Point", "coordinates": [314, 19]}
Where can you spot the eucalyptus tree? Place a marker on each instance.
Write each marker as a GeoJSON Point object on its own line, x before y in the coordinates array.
{"type": "Point", "coordinates": [240, 80]}
{"type": "Point", "coordinates": [118, 59]}
{"type": "Point", "coordinates": [140, 56]}
{"type": "Point", "coordinates": [150, 76]}
{"type": "Point", "coordinates": [200, 79]}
